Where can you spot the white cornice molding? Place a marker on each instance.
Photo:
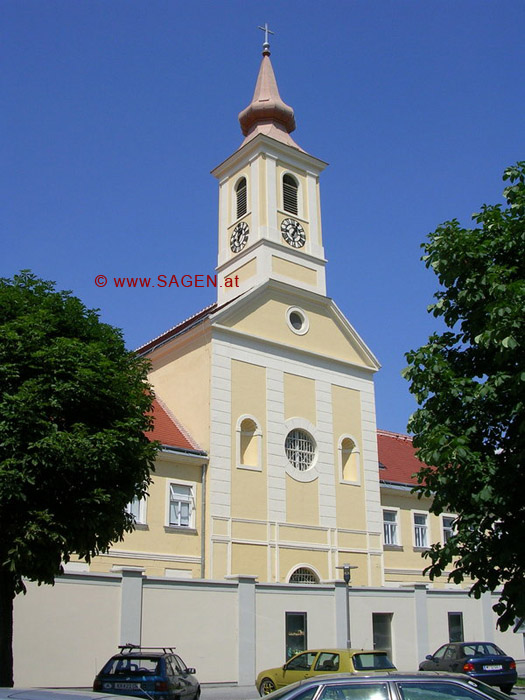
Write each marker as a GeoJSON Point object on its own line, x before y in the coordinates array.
{"type": "Point", "coordinates": [262, 144]}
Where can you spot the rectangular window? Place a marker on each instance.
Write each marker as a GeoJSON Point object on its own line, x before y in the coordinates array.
{"type": "Point", "coordinates": [137, 508]}
{"type": "Point", "coordinates": [420, 530]}
{"type": "Point", "coordinates": [382, 632]}
{"type": "Point", "coordinates": [182, 507]}
{"type": "Point", "coordinates": [390, 527]}
{"type": "Point", "coordinates": [295, 626]}
{"type": "Point", "coordinates": [448, 527]}
{"type": "Point", "coordinates": [455, 627]}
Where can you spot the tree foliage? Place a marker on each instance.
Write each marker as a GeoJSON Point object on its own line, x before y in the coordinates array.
{"type": "Point", "coordinates": [470, 384]}
{"type": "Point", "coordinates": [73, 410]}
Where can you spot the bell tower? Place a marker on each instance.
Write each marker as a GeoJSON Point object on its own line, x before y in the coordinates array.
{"type": "Point", "coordinates": [269, 201]}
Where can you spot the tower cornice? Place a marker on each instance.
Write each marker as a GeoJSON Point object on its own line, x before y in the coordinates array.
{"type": "Point", "coordinates": [269, 146]}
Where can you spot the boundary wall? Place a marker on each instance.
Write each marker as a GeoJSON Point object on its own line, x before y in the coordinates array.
{"type": "Point", "coordinates": [228, 629]}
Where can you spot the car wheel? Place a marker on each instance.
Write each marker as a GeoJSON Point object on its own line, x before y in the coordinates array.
{"type": "Point", "coordinates": [266, 686]}
{"type": "Point", "coordinates": [506, 688]}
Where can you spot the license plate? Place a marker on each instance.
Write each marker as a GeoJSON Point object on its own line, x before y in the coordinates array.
{"type": "Point", "coordinates": [493, 667]}
{"type": "Point", "coordinates": [127, 686]}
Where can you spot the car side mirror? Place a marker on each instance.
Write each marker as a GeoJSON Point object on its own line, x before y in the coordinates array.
{"type": "Point", "coordinates": [191, 671]}
{"type": "Point", "coordinates": [429, 657]}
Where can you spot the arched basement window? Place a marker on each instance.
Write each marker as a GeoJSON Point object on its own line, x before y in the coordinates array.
{"type": "Point", "coordinates": [303, 575]}
{"type": "Point", "coordinates": [290, 188]}
{"type": "Point", "coordinates": [240, 191]}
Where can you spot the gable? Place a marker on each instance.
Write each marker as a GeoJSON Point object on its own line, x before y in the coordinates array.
{"type": "Point", "coordinates": [264, 314]}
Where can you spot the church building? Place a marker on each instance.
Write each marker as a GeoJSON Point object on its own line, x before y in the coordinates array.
{"type": "Point", "coordinates": [269, 481]}
{"type": "Point", "coordinates": [272, 381]}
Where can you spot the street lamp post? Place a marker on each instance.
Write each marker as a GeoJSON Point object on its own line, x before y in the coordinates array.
{"type": "Point", "coordinates": [346, 576]}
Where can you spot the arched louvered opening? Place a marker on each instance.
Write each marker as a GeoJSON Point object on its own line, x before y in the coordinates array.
{"type": "Point", "coordinates": [242, 203]}
{"type": "Point", "coordinates": [290, 190]}
{"type": "Point", "coordinates": [304, 575]}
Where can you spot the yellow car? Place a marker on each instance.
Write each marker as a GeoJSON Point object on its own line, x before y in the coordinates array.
{"type": "Point", "coordinates": [319, 661]}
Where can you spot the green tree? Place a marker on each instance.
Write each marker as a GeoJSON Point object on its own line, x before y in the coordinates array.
{"type": "Point", "coordinates": [470, 384]}
{"type": "Point", "coordinates": [73, 410]}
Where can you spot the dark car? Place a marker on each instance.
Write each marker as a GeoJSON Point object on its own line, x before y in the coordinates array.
{"type": "Point", "coordinates": [155, 673]}
{"type": "Point", "coordinates": [389, 686]}
{"type": "Point", "coordinates": [482, 660]}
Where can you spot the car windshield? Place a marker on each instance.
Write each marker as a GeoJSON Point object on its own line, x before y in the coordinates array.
{"type": "Point", "coordinates": [132, 665]}
{"type": "Point", "coordinates": [369, 661]}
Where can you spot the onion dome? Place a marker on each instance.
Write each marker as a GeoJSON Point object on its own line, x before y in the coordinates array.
{"type": "Point", "coordinates": [267, 113]}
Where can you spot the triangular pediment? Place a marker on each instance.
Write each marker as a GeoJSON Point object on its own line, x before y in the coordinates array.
{"type": "Point", "coordinates": [263, 314]}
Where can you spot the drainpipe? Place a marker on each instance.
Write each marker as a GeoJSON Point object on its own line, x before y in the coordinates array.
{"type": "Point", "coordinates": [203, 522]}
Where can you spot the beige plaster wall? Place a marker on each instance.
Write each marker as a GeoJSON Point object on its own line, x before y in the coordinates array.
{"type": "Point", "coordinates": [248, 397]}
{"type": "Point", "coordinates": [266, 317]}
{"type": "Point", "coordinates": [64, 634]}
{"type": "Point", "coordinates": [201, 622]}
{"type": "Point", "coordinates": [181, 377]}
{"type": "Point", "coordinates": [350, 498]}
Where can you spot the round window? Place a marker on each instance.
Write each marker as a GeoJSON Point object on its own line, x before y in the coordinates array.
{"type": "Point", "coordinates": [297, 320]}
{"type": "Point", "coordinates": [300, 449]}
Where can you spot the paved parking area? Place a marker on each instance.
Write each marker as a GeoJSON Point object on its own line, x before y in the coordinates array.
{"type": "Point", "coordinates": [224, 692]}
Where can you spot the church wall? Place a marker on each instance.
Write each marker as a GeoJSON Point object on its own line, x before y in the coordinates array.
{"type": "Point", "coordinates": [302, 502]}
{"type": "Point", "coordinates": [350, 492]}
{"type": "Point", "coordinates": [181, 377]}
{"type": "Point", "coordinates": [294, 391]}
{"type": "Point", "coordinates": [248, 401]}
{"type": "Point", "coordinates": [267, 319]}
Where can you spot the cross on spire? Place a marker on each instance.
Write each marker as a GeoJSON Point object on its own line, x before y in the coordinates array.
{"type": "Point", "coordinates": [266, 45]}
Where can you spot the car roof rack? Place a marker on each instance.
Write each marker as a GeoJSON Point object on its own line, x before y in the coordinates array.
{"type": "Point", "coordinates": [129, 648]}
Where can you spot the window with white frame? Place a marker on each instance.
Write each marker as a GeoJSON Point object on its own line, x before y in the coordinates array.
{"type": "Point", "coordinates": [448, 527]}
{"type": "Point", "coordinates": [181, 505]}
{"type": "Point", "coordinates": [137, 508]}
{"type": "Point", "coordinates": [420, 530]}
{"type": "Point", "coordinates": [390, 527]}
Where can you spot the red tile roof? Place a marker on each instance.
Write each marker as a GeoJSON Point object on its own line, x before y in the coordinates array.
{"type": "Point", "coordinates": [179, 328]}
{"type": "Point", "coordinates": [169, 432]}
{"type": "Point", "coordinates": [397, 458]}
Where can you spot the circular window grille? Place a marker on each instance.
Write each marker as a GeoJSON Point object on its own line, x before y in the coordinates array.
{"type": "Point", "coordinates": [300, 449]}
{"type": "Point", "coordinates": [303, 575]}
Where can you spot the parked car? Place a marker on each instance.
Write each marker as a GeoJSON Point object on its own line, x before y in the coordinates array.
{"type": "Point", "coordinates": [322, 661]}
{"type": "Point", "coordinates": [155, 673]}
{"type": "Point", "coordinates": [55, 694]}
{"type": "Point", "coordinates": [389, 686]}
{"type": "Point", "coordinates": [482, 660]}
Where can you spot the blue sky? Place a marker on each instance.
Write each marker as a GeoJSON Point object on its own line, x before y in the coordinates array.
{"type": "Point", "coordinates": [115, 111]}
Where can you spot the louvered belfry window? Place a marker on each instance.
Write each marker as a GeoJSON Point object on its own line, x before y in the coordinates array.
{"type": "Point", "coordinates": [290, 187]}
{"type": "Point", "coordinates": [240, 190]}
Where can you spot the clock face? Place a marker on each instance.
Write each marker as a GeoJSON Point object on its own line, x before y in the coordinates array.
{"type": "Point", "coordinates": [239, 237]}
{"type": "Point", "coordinates": [293, 233]}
